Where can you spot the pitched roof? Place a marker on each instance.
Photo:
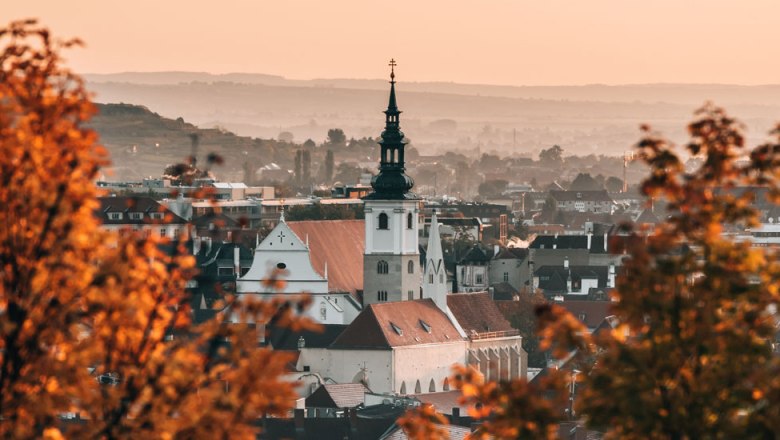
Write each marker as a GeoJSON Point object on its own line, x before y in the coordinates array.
{"type": "Point", "coordinates": [135, 204]}
{"type": "Point", "coordinates": [597, 243]}
{"type": "Point", "coordinates": [394, 324]}
{"type": "Point", "coordinates": [504, 291]}
{"type": "Point", "coordinates": [340, 244]}
{"type": "Point", "coordinates": [477, 313]}
{"type": "Point", "coordinates": [341, 395]}
{"type": "Point", "coordinates": [282, 338]}
{"type": "Point", "coordinates": [591, 313]}
{"type": "Point", "coordinates": [444, 401]}
{"type": "Point", "coordinates": [476, 255]}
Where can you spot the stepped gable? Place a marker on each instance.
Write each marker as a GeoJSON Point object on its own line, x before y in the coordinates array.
{"type": "Point", "coordinates": [477, 313]}
{"type": "Point", "coordinates": [395, 324]}
{"type": "Point", "coordinates": [340, 244]}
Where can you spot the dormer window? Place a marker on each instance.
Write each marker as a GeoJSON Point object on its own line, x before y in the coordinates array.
{"type": "Point", "coordinates": [397, 329]}
{"type": "Point", "coordinates": [115, 216]}
{"type": "Point", "coordinates": [136, 215]}
{"type": "Point", "coordinates": [425, 326]}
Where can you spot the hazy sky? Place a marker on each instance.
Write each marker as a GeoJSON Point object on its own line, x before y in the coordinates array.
{"type": "Point", "coordinates": [519, 42]}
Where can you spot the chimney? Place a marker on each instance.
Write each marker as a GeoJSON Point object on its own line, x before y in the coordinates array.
{"type": "Point", "coordinates": [611, 276]}
{"type": "Point", "coordinates": [237, 261]}
{"type": "Point", "coordinates": [590, 237]}
{"type": "Point", "coordinates": [353, 423]}
{"type": "Point", "coordinates": [455, 416]}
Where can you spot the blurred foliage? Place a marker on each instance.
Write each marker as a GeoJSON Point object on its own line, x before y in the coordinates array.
{"type": "Point", "coordinates": [691, 352]}
{"type": "Point", "coordinates": [96, 323]}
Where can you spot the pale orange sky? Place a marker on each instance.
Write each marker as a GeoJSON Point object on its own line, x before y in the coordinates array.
{"type": "Point", "coordinates": [518, 42]}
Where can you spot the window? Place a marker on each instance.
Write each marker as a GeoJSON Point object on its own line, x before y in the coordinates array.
{"type": "Point", "coordinates": [417, 388]}
{"type": "Point", "coordinates": [136, 215]}
{"type": "Point", "coordinates": [441, 278]}
{"type": "Point", "coordinates": [446, 386]}
{"type": "Point", "coordinates": [223, 271]}
{"type": "Point", "coordinates": [396, 329]}
{"type": "Point", "coordinates": [409, 221]}
{"type": "Point", "coordinates": [410, 294]}
{"type": "Point", "coordinates": [425, 326]}
{"type": "Point", "coordinates": [478, 278]}
{"type": "Point", "coordinates": [163, 232]}
{"type": "Point", "coordinates": [403, 388]}
{"type": "Point", "coordinates": [381, 295]}
{"type": "Point", "coordinates": [115, 216]}
{"type": "Point", "coordinates": [432, 387]}
{"type": "Point", "coordinates": [506, 277]}
{"type": "Point", "coordinates": [410, 267]}
{"type": "Point", "coordinates": [430, 278]}
{"type": "Point", "coordinates": [383, 221]}
{"type": "Point", "coordinates": [156, 215]}
{"type": "Point", "coordinates": [323, 311]}
{"type": "Point", "coordinates": [382, 267]}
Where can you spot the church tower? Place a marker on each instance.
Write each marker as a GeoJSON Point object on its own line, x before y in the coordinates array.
{"type": "Point", "coordinates": [391, 262]}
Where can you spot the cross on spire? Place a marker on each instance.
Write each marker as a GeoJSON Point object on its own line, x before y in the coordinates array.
{"type": "Point", "coordinates": [392, 65]}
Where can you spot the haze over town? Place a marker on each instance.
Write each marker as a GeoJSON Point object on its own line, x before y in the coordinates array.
{"type": "Point", "coordinates": [400, 220]}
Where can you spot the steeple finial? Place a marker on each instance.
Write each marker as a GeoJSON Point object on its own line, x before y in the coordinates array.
{"type": "Point", "coordinates": [392, 65]}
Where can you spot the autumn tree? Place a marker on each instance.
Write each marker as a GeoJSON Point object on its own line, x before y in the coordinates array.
{"type": "Point", "coordinates": [692, 354]}
{"type": "Point", "coordinates": [78, 303]}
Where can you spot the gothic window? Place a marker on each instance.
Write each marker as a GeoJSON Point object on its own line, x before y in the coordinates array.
{"type": "Point", "coordinates": [410, 266]}
{"type": "Point", "coordinates": [409, 221]}
{"type": "Point", "coordinates": [446, 386]}
{"type": "Point", "coordinates": [432, 386]}
{"type": "Point", "coordinates": [382, 267]}
{"type": "Point", "coordinates": [417, 387]}
{"type": "Point", "coordinates": [403, 388]}
{"type": "Point", "coordinates": [383, 221]}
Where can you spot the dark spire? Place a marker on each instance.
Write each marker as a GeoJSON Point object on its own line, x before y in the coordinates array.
{"type": "Point", "coordinates": [392, 183]}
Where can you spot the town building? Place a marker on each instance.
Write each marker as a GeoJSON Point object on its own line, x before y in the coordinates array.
{"type": "Point", "coordinates": [391, 262]}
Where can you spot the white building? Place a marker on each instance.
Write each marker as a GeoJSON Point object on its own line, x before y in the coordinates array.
{"type": "Point", "coordinates": [282, 255]}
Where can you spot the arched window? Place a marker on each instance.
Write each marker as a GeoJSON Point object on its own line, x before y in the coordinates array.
{"type": "Point", "coordinates": [383, 221]}
{"type": "Point", "coordinates": [410, 266]}
{"type": "Point", "coordinates": [432, 386]}
{"type": "Point", "coordinates": [409, 221]}
{"type": "Point", "coordinates": [382, 267]}
{"type": "Point", "coordinates": [417, 388]}
{"type": "Point", "coordinates": [446, 386]}
{"type": "Point", "coordinates": [403, 388]}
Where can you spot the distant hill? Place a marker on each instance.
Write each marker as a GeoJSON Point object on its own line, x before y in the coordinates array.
{"type": "Point", "coordinates": [142, 142]}
{"type": "Point", "coordinates": [439, 116]}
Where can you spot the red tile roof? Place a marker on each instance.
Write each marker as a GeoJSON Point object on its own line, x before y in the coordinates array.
{"type": "Point", "coordinates": [394, 324]}
{"type": "Point", "coordinates": [340, 244]}
{"type": "Point", "coordinates": [477, 313]}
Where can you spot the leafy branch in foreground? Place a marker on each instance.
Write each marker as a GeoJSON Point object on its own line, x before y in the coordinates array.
{"type": "Point", "coordinates": [692, 354]}
{"type": "Point", "coordinates": [78, 303]}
